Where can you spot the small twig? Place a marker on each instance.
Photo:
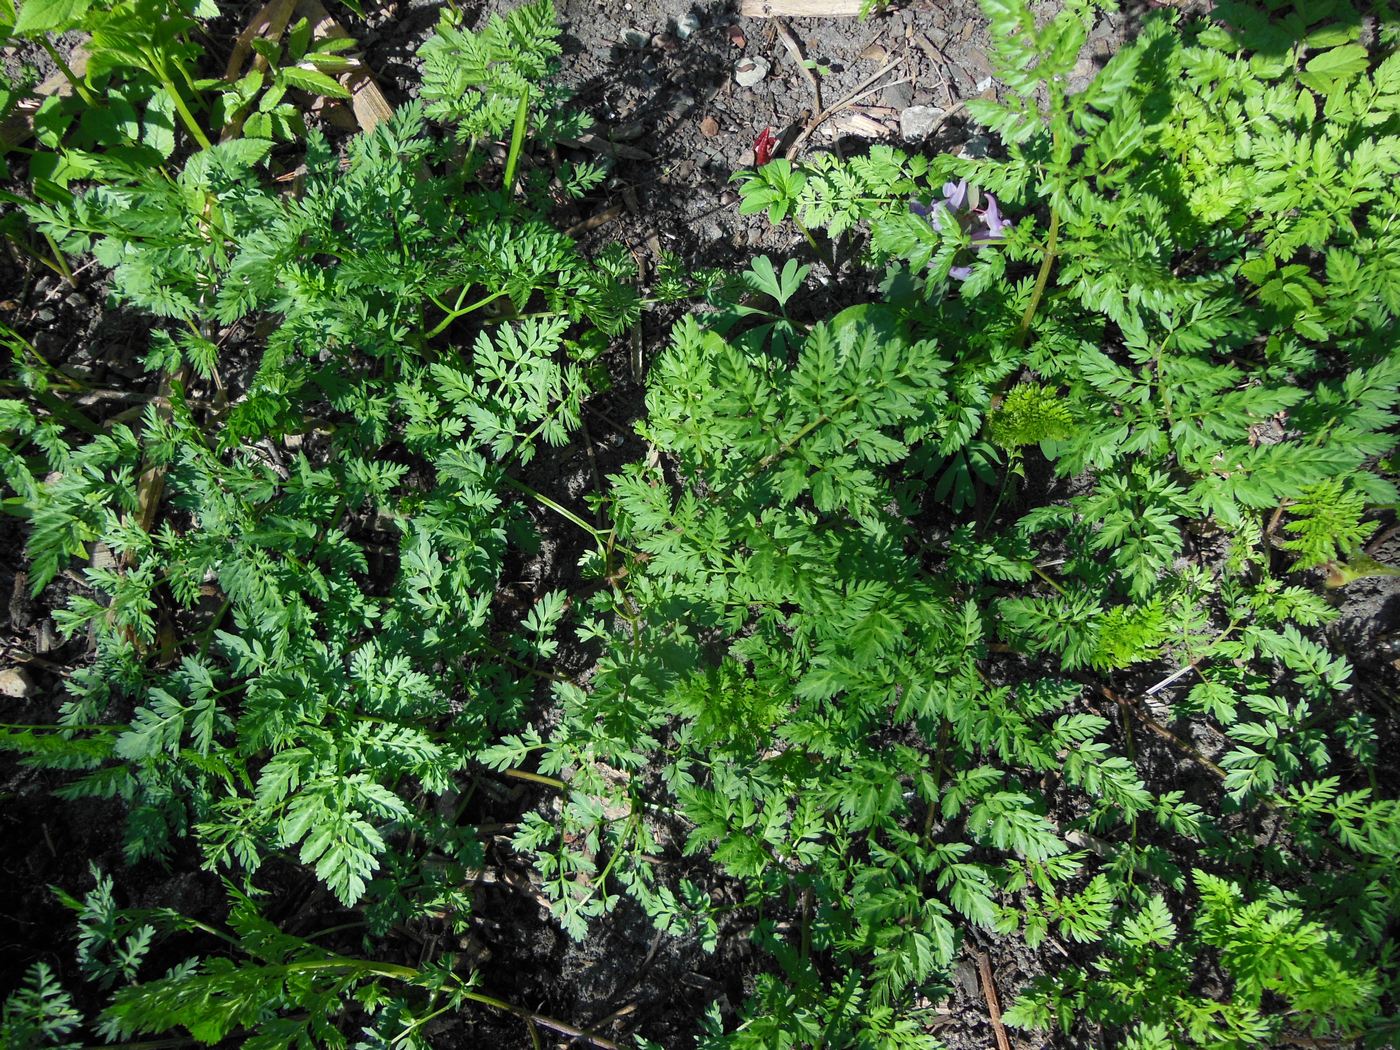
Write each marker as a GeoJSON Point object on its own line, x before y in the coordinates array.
{"type": "Point", "coordinates": [819, 118]}
{"type": "Point", "coordinates": [795, 50]}
{"type": "Point", "coordinates": [598, 518]}
{"type": "Point", "coordinates": [602, 218]}
{"type": "Point", "coordinates": [989, 991]}
{"type": "Point", "coordinates": [1166, 734]}
{"type": "Point", "coordinates": [1274, 519]}
{"type": "Point", "coordinates": [1173, 677]}
{"type": "Point", "coordinates": [1379, 541]}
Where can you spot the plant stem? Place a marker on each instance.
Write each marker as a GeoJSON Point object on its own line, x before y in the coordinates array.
{"type": "Point", "coordinates": [536, 778]}
{"type": "Point", "coordinates": [768, 460]}
{"type": "Point", "coordinates": [1048, 579]}
{"type": "Point", "coordinates": [829, 260]}
{"type": "Point", "coordinates": [564, 512]}
{"type": "Point", "coordinates": [1042, 278]}
{"type": "Point", "coordinates": [180, 107]}
{"type": "Point", "coordinates": [517, 141]}
{"type": "Point", "coordinates": [457, 312]}
{"type": "Point", "coordinates": [67, 71]}
{"type": "Point", "coordinates": [60, 263]}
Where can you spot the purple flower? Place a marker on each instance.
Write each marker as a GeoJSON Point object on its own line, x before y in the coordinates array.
{"type": "Point", "coordinates": [977, 214]}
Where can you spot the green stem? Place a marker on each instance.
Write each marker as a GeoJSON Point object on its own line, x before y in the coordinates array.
{"type": "Point", "coordinates": [55, 727]}
{"type": "Point", "coordinates": [456, 312]}
{"type": "Point", "coordinates": [829, 260]}
{"type": "Point", "coordinates": [517, 141]}
{"type": "Point", "coordinates": [768, 460]}
{"type": "Point", "coordinates": [1042, 278]}
{"type": "Point", "coordinates": [536, 778]}
{"type": "Point", "coordinates": [60, 263]}
{"type": "Point", "coordinates": [67, 71]}
{"type": "Point", "coordinates": [43, 260]}
{"type": "Point", "coordinates": [1048, 579]}
{"type": "Point", "coordinates": [601, 881]}
{"type": "Point", "coordinates": [564, 512]}
{"type": "Point", "coordinates": [185, 115]}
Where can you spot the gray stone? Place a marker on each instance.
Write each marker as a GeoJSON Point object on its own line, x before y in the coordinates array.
{"type": "Point", "coordinates": [750, 71]}
{"type": "Point", "coordinates": [976, 147]}
{"type": "Point", "coordinates": [687, 26]}
{"type": "Point", "coordinates": [899, 96]}
{"type": "Point", "coordinates": [916, 123]}
{"type": "Point", "coordinates": [16, 683]}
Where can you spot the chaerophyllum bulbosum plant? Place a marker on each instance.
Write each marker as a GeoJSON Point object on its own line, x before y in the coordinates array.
{"type": "Point", "coordinates": [294, 563]}
{"type": "Point", "coordinates": [994, 607]}
{"type": "Point", "coordinates": [943, 580]}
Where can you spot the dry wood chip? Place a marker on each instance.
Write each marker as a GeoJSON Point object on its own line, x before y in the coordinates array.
{"type": "Point", "coordinates": [270, 22]}
{"type": "Point", "coordinates": [862, 125]}
{"type": "Point", "coordinates": [370, 106]}
{"type": "Point", "coordinates": [799, 8]}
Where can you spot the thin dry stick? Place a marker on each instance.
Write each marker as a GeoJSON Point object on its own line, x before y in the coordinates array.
{"type": "Point", "coordinates": [269, 22]}
{"type": "Point", "coordinates": [795, 50]}
{"type": "Point", "coordinates": [1379, 542]}
{"type": "Point", "coordinates": [1180, 672]}
{"type": "Point", "coordinates": [820, 118]}
{"type": "Point", "coordinates": [1162, 731]}
{"type": "Point", "coordinates": [798, 8]}
{"type": "Point", "coordinates": [989, 991]}
{"type": "Point", "coordinates": [598, 517]}
{"type": "Point", "coordinates": [602, 218]}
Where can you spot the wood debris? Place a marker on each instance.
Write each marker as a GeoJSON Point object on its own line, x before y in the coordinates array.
{"type": "Point", "coordinates": [368, 102]}
{"type": "Point", "coordinates": [989, 990]}
{"type": "Point", "coordinates": [860, 124]}
{"type": "Point", "coordinates": [799, 8]}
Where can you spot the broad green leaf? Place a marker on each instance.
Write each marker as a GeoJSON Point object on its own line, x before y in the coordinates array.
{"type": "Point", "coordinates": [312, 80]}
{"type": "Point", "coordinates": [39, 16]}
{"type": "Point", "coordinates": [1326, 70]}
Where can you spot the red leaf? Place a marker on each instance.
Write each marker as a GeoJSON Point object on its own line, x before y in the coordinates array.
{"type": "Point", "coordinates": [764, 146]}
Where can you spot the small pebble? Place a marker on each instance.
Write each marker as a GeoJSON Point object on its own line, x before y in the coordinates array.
{"type": "Point", "coordinates": [736, 36]}
{"type": "Point", "coordinates": [899, 96]}
{"type": "Point", "coordinates": [976, 147]}
{"type": "Point", "coordinates": [917, 122]}
{"type": "Point", "coordinates": [687, 26]}
{"type": "Point", "coordinates": [16, 683]}
{"type": "Point", "coordinates": [635, 38]}
{"type": "Point", "coordinates": [44, 316]}
{"type": "Point", "coordinates": [709, 127]}
{"type": "Point", "coordinates": [984, 84]}
{"type": "Point", "coordinates": [750, 71]}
